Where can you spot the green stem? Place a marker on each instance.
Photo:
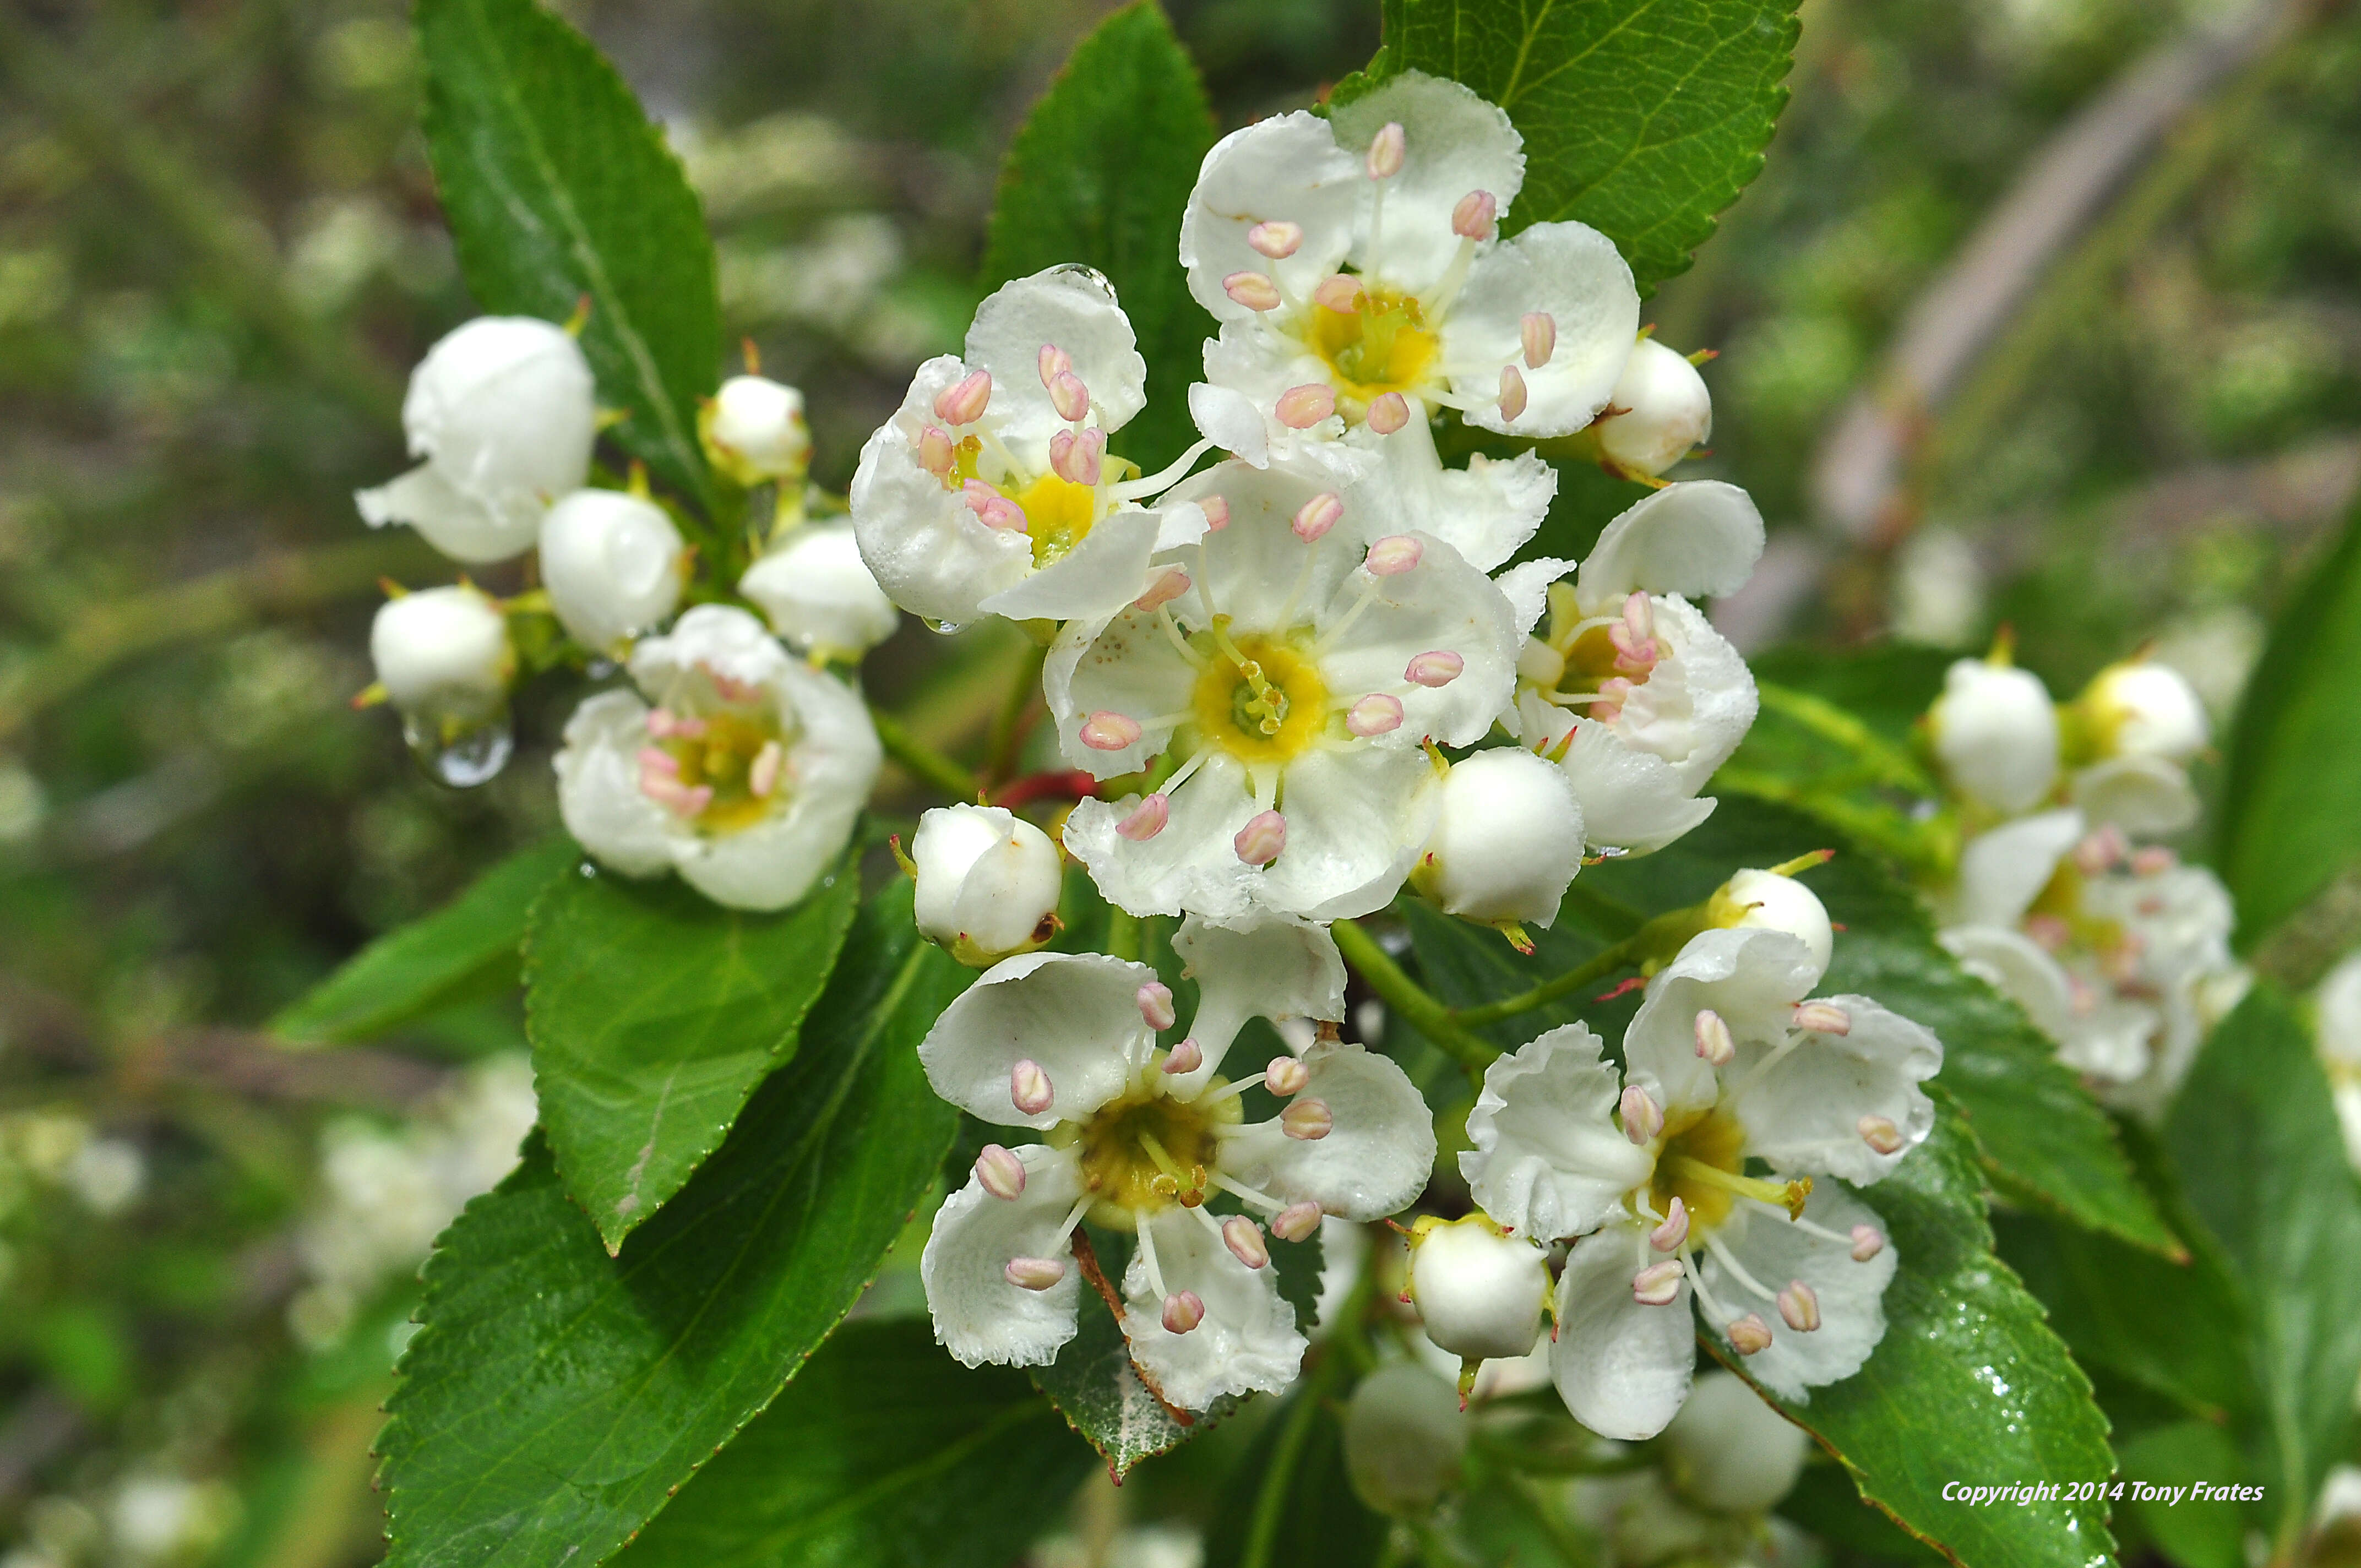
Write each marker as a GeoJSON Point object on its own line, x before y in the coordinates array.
{"type": "Point", "coordinates": [922, 760]}
{"type": "Point", "coordinates": [1302, 1407]}
{"type": "Point", "coordinates": [1887, 762]}
{"type": "Point", "coordinates": [1409, 1001]}
{"type": "Point", "coordinates": [1589, 972]}
{"type": "Point", "coordinates": [1008, 726]}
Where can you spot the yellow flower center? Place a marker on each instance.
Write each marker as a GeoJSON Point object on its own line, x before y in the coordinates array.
{"type": "Point", "coordinates": [1381, 345]}
{"type": "Point", "coordinates": [1145, 1152]}
{"type": "Point", "coordinates": [1057, 515]}
{"type": "Point", "coordinates": [1258, 698]}
{"type": "Point", "coordinates": [722, 759]}
{"type": "Point", "coordinates": [1701, 1161]}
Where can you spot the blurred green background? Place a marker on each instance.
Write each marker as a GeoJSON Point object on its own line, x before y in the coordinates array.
{"type": "Point", "coordinates": [2124, 406]}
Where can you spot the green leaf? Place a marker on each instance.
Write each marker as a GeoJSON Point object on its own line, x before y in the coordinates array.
{"type": "Point", "coordinates": [1642, 118]}
{"type": "Point", "coordinates": [1095, 1388]}
{"type": "Point", "coordinates": [1286, 1500]}
{"type": "Point", "coordinates": [654, 1012]}
{"type": "Point", "coordinates": [467, 946]}
{"type": "Point", "coordinates": [884, 1453]}
{"type": "Point", "coordinates": [2291, 807]}
{"type": "Point", "coordinates": [2254, 1138]}
{"type": "Point", "coordinates": [2193, 1532]}
{"type": "Point", "coordinates": [556, 1397]}
{"type": "Point", "coordinates": [558, 190]}
{"type": "Point", "coordinates": [1100, 175]}
{"type": "Point", "coordinates": [1969, 1382]}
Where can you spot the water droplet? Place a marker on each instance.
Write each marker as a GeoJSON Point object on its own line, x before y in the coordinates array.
{"type": "Point", "coordinates": [943, 627]}
{"type": "Point", "coordinates": [462, 758]}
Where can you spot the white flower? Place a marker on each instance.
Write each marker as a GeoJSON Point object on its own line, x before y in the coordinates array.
{"type": "Point", "coordinates": [613, 565]}
{"type": "Point", "coordinates": [1480, 1291]}
{"type": "Point", "coordinates": [1773, 901]}
{"type": "Point", "coordinates": [2121, 956]}
{"type": "Point", "coordinates": [1507, 841]}
{"type": "Point", "coordinates": [443, 654]}
{"type": "Point", "coordinates": [1729, 1452]}
{"type": "Point", "coordinates": [1291, 662]}
{"type": "Point", "coordinates": [1138, 1136]}
{"type": "Point", "coordinates": [1726, 1062]}
{"type": "Point", "coordinates": [992, 490]}
{"type": "Point", "coordinates": [1632, 691]}
{"type": "Point", "coordinates": [1665, 413]}
{"type": "Point", "coordinates": [1995, 734]}
{"type": "Point", "coordinates": [753, 431]}
{"type": "Point", "coordinates": [744, 771]}
{"type": "Point", "coordinates": [817, 594]}
{"type": "Point", "coordinates": [988, 882]}
{"type": "Point", "coordinates": [2337, 1027]}
{"type": "Point", "coordinates": [1404, 1436]}
{"type": "Point", "coordinates": [502, 410]}
{"type": "Point", "coordinates": [1356, 266]}
{"type": "Point", "coordinates": [2141, 707]}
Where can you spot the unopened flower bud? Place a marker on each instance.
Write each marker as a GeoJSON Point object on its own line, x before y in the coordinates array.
{"type": "Point", "coordinates": [1307, 1121]}
{"type": "Point", "coordinates": [1750, 1335]}
{"type": "Point", "coordinates": [1107, 730]}
{"type": "Point", "coordinates": [1995, 734]}
{"type": "Point", "coordinates": [1537, 335]}
{"type": "Point", "coordinates": [1657, 1285]}
{"type": "Point", "coordinates": [988, 882]}
{"type": "Point", "coordinates": [1713, 1041]}
{"type": "Point", "coordinates": [1340, 293]}
{"type": "Point", "coordinates": [1674, 1229]}
{"type": "Point", "coordinates": [1276, 238]}
{"type": "Point", "coordinates": [1393, 555]}
{"type": "Point", "coordinates": [1667, 411]}
{"type": "Point", "coordinates": [1155, 1000]}
{"type": "Point", "coordinates": [1512, 394]}
{"type": "Point", "coordinates": [755, 430]}
{"type": "Point", "coordinates": [1405, 1439]}
{"type": "Point", "coordinates": [1773, 901]}
{"type": "Point", "coordinates": [818, 593]}
{"type": "Point", "coordinates": [1186, 1057]}
{"type": "Point", "coordinates": [1029, 1089]}
{"type": "Point", "coordinates": [1034, 1273]}
{"type": "Point", "coordinates": [1263, 838]}
{"type": "Point", "coordinates": [1868, 1240]}
{"type": "Point", "coordinates": [1436, 668]}
{"type": "Point", "coordinates": [1799, 1304]}
{"type": "Point", "coordinates": [1880, 1133]}
{"type": "Point", "coordinates": [1315, 517]}
{"type": "Point", "coordinates": [1297, 1222]}
{"type": "Point", "coordinates": [1301, 408]}
{"type": "Point", "coordinates": [999, 1172]}
{"type": "Point", "coordinates": [1731, 1453]}
{"type": "Point", "coordinates": [1389, 411]}
{"type": "Point", "coordinates": [1375, 714]}
{"type": "Point", "coordinates": [1286, 1075]}
{"type": "Point", "coordinates": [2140, 708]}
{"type": "Point", "coordinates": [1385, 151]}
{"type": "Point", "coordinates": [1254, 290]}
{"type": "Point", "coordinates": [1146, 819]}
{"type": "Point", "coordinates": [1243, 1238]}
{"type": "Point", "coordinates": [964, 401]}
{"type": "Point", "coordinates": [443, 654]}
{"type": "Point", "coordinates": [1183, 1312]}
{"type": "Point", "coordinates": [1642, 1117]}
{"type": "Point", "coordinates": [1506, 839]}
{"type": "Point", "coordinates": [1480, 1290]}
{"type": "Point", "coordinates": [1477, 215]}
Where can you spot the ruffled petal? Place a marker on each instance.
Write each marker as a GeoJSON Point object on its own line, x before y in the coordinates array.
{"type": "Point", "coordinates": [2144, 797]}
{"type": "Point", "coordinates": [599, 787]}
{"type": "Point", "coordinates": [1804, 1112]}
{"type": "Point", "coordinates": [930, 552]}
{"type": "Point", "coordinates": [1289, 169]}
{"type": "Point", "coordinates": [1549, 1161]}
{"type": "Point", "coordinates": [1248, 1342]}
{"type": "Point", "coordinates": [1452, 142]}
{"type": "Point", "coordinates": [464, 527]}
{"type": "Point", "coordinates": [1126, 664]}
{"type": "Point", "coordinates": [1254, 362]}
{"type": "Point", "coordinates": [1231, 420]}
{"type": "Point", "coordinates": [1191, 865]}
{"type": "Point", "coordinates": [715, 640]}
{"type": "Point", "coordinates": [979, 1316]}
{"type": "Point", "coordinates": [1699, 538]}
{"type": "Point", "coordinates": [2003, 871]}
{"type": "Point", "coordinates": [1631, 800]}
{"type": "Point", "coordinates": [1105, 572]}
{"type": "Point", "coordinates": [1379, 1151]}
{"type": "Point", "coordinates": [2018, 968]}
{"type": "Point", "coordinates": [1274, 967]}
{"type": "Point", "coordinates": [1526, 587]}
{"type": "Point", "coordinates": [1356, 821]}
{"type": "Point", "coordinates": [1485, 510]}
{"type": "Point", "coordinates": [1075, 308]}
{"type": "Point", "coordinates": [1256, 570]}
{"type": "Point", "coordinates": [1574, 274]}
{"type": "Point", "coordinates": [1697, 705]}
{"type": "Point", "coordinates": [1075, 1015]}
{"type": "Point", "coordinates": [1752, 977]}
{"type": "Point", "coordinates": [1852, 1294]}
{"type": "Point", "coordinates": [1380, 624]}
{"type": "Point", "coordinates": [1623, 1369]}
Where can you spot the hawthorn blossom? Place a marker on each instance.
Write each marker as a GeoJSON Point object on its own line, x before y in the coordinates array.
{"type": "Point", "coordinates": [1480, 1291]}
{"type": "Point", "coordinates": [1659, 412]}
{"type": "Point", "coordinates": [1630, 689]}
{"type": "Point", "coordinates": [753, 431]}
{"type": "Point", "coordinates": [816, 593]}
{"type": "Point", "coordinates": [992, 490]}
{"type": "Point", "coordinates": [1357, 265]}
{"type": "Point", "coordinates": [742, 769]}
{"type": "Point", "coordinates": [2119, 956]}
{"type": "Point", "coordinates": [613, 566]}
{"type": "Point", "coordinates": [443, 656]}
{"type": "Point", "coordinates": [1286, 668]}
{"type": "Point", "coordinates": [1507, 843]}
{"type": "Point", "coordinates": [2336, 1023]}
{"type": "Point", "coordinates": [1139, 1136]}
{"type": "Point", "coordinates": [987, 883]}
{"type": "Point", "coordinates": [1995, 734]}
{"type": "Point", "coordinates": [1727, 1459]}
{"type": "Point", "coordinates": [1726, 1062]}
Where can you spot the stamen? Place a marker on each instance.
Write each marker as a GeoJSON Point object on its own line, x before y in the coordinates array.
{"type": "Point", "coordinates": [1169, 585]}
{"type": "Point", "coordinates": [2154, 860]}
{"type": "Point", "coordinates": [1034, 1273]}
{"type": "Point", "coordinates": [1387, 150]}
{"type": "Point", "coordinates": [1477, 215]}
{"type": "Point", "coordinates": [1301, 408]}
{"type": "Point", "coordinates": [1296, 1222]}
{"type": "Point", "coordinates": [1107, 730]}
{"type": "Point", "coordinates": [1713, 1041]}
{"type": "Point", "coordinates": [1512, 394]}
{"type": "Point", "coordinates": [1799, 1304]}
{"type": "Point", "coordinates": [1787, 1195]}
{"type": "Point", "coordinates": [1315, 517]}
{"type": "Point", "coordinates": [963, 401]}
{"type": "Point", "coordinates": [1537, 332]}
{"type": "Point", "coordinates": [656, 761]}
{"type": "Point", "coordinates": [1254, 290]}
{"type": "Point", "coordinates": [1668, 1236]}
{"type": "Point", "coordinates": [1164, 478]}
{"type": "Point", "coordinates": [1375, 714]}
{"type": "Point", "coordinates": [1286, 1075]}
{"type": "Point", "coordinates": [1393, 555]}
{"type": "Point", "coordinates": [665, 724]}
{"type": "Point", "coordinates": [1276, 238]}
{"type": "Point", "coordinates": [1028, 1087]}
{"type": "Point", "coordinates": [1155, 1000]}
{"type": "Point", "coordinates": [1643, 1119]}
{"type": "Point", "coordinates": [1822, 1018]}
{"type": "Point", "coordinates": [1148, 1251]}
{"type": "Point", "coordinates": [1880, 1133]}
{"type": "Point", "coordinates": [1217, 514]}
{"type": "Point", "coordinates": [1000, 1172]}
{"type": "Point", "coordinates": [1053, 362]}
{"type": "Point", "coordinates": [1186, 1057]}
{"type": "Point", "coordinates": [763, 774]}
{"type": "Point", "coordinates": [1658, 1285]}
{"type": "Point", "coordinates": [1069, 397]}
{"type": "Point", "coordinates": [1146, 819]}
{"type": "Point", "coordinates": [1728, 1260]}
{"type": "Point", "coordinates": [1868, 1240]}
{"type": "Point", "coordinates": [2100, 851]}
{"type": "Point", "coordinates": [937, 455]}
{"type": "Point", "coordinates": [1260, 841]}
{"type": "Point", "coordinates": [1437, 667]}
{"type": "Point", "coordinates": [1078, 459]}
{"type": "Point", "coordinates": [1243, 1238]}
{"type": "Point", "coordinates": [1307, 1120]}
{"type": "Point", "coordinates": [1750, 1335]}
{"type": "Point", "coordinates": [1340, 293]}
{"type": "Point", "coordinates": [1389, 411]}
{"type": "Point", "coordinates": [1183, 1312]}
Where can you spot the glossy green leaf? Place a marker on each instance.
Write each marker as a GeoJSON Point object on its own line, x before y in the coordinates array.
{"type": "Point", "coordinates": [468, 945]}
{"type": "Point", "coordinates": [1642, 118]}
{"type": "Point", "coordinates": [1287, 1500]}
{"type": "Point", "coordinates": [654, 1012]}
{"type": "Point", "coordinates": [556, 1397]}
{"type": "Point", "coordinates": [559, 190]}
{"type": "Point", "coordinates": [1100, 175]}
{"type": "Point", "coordinates": [2291, 811]}
{"type": "Point", "coordinates": [884, 1453]}
{"type": "Point", "coordinates": [2253, 1136]}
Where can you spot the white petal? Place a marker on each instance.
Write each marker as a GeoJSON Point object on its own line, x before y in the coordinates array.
{"type": "Point", "coordinates": [1356, 822]}
{"type": "Point", "coordinates": [1485, 510]}
{"type": "Point", "coordinates": [611, 564]}
{"type": "Point", "coordinates": [1507, 840]}
{"type": "Point", "coordinates": [1075, 308]}
{"type": "Point", "coordinates": [1287, 168]}
{"type": "Point", "coordinates": [979, 1316]}
{"type": "Point", "coordinates": [2003, 871]}
{"type": "Point", "coordinates": [1549, 1161]}
{"type": "Point", "coordinates": [1452, 142]}
{"type": "Point", "coordinates": [1852, 1309]}
{"type": "Point", "coordinates": [1699, 539]}
{"type": "Point", "coordinates": [463, 527]}
{"type": "Point", "coordinates": [1526, 587]}
{"type": "Point", "coordinates": [1753, 978]}
{"type": "Point", "coordinates": [818, 593]}
{"type": "Point", "coordinates": [1573, 273]}
{"type": "Point", "coordinates": [1231, 420]}
{"type": "Point", "coordinates": [1105, 572]}
{"type": "Point", "coordinates": [1631, 800]}
{"type": "Point", "coordinates": [1441, 603]}
{"type": "Point", "coordinates": [599, 787]}
{"type": "Point", "coordinates": [1702, 694]}
{"type": "Point", "coordinates": [1248, 1343]}
{"type": "Point", "coordinates": [1190, 865]}
{"type": "Point", "coordinates": [1737, 1454]}
{"type": "Point", "coordinates": [1075, 1015]}
{"type": "Point", "coordinates": [1622, 1369]}
{"type": "Point", "coordinates": [1270, 967]}
{"type": "Point", "coordinates": [1127, 665]}
{"type": "Point", "coordinates": [2018, 968]}
{"type": "Point", "coordinates": [1254, 570]}
{"type": "Point", "coordinates": [930, 552]}
{"type": "Point", "coordinates": [1254, 362]}
{"type": "Point", "coordinates": [1378, 1151]}
{"type": "Point", "coordinates": [1804, 1112]}
{"type": "Point", "coordinates": [830, 765]}
{"type": "Point", "coordinates": [2142, 795]}
{"type": "Point", "coordinates": [717, 640]}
